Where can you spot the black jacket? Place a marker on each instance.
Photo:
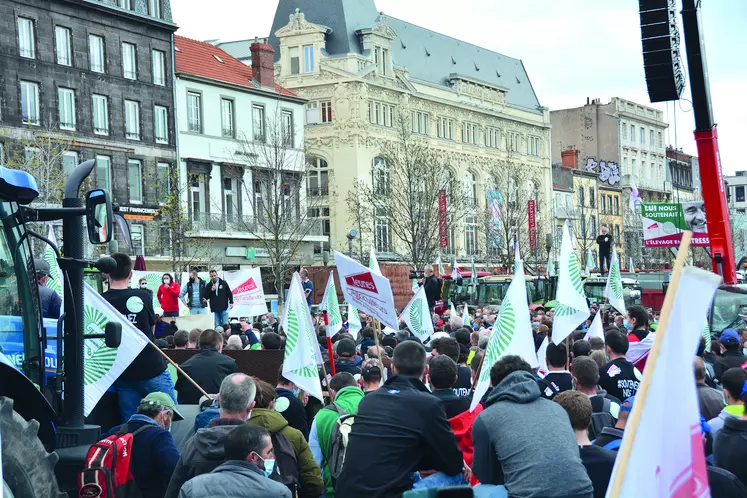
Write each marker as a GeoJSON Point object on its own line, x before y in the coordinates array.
{"type": "Point", "coordinates": [295, 414]}
{"type": "Point", "coordinates": [598, 463]}
{"type": "Point", "coordinates": [219, 295]}
{"type": "Point", "coordinates": [202, 453]}
{"type": "Point", "coordinates": [190, 291]}
{"type": "Point", "coordinates": [384, 450]}
{"type": "Point", "coordinates": [619, 378]}
{"type": "Point", "coordinates": [453, 404]}
{"type": "Point", "coordinates": [731, 359]}
{"type": "Point", "coordinates": [432, 286]}
{"type": "Point", "coordinates": [208, 369]}
{"type": "Point", "coordinates": [345, 365]}
{"type": "Point", "coordinates": [730, 448]}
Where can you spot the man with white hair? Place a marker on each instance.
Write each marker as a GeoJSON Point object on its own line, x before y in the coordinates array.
{"type": "Point", "coordinates": [456, 322]}
{"type": "Point", "coordinates": [235, 340]}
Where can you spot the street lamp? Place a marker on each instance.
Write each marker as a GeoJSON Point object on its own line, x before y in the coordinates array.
{"type": "Point", "coordinates": [352, 234]}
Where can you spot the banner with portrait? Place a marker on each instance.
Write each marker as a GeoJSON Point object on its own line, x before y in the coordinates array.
{"type": "Point", "coordinates": [663, 223]}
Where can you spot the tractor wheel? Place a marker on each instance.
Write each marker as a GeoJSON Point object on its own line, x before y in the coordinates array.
{"type": "Point", "coordinates": [28, 470]}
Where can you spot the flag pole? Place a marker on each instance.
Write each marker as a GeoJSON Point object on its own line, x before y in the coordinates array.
{"type": "Point", "coordinates": [377, 331]}
{"type": "Point", "coordinates": [184, 374]}
{"type": "Point", "coordinates": [635, 416]}
{"type": "Point", "coordinates": [567, 351]}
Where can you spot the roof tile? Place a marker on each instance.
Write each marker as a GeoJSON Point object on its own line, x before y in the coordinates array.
{"type": "Point", "coordinates": [201, 59]}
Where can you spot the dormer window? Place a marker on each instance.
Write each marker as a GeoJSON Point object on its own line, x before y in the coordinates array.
{"type": "Point", "coordinates": [308, 58]}
{"type": "Point", "coordinates": [299, 65]}
{"type": "Point", "coordinates": [382, 60]}
{"type": "Point", "coordinates": [295, 61]}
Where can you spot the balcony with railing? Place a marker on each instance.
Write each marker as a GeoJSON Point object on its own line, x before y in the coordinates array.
{"type": "Point", "coordinates": [249, 225]}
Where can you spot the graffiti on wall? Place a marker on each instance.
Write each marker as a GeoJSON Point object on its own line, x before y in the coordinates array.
{"type": "Point", "coordinates": [608, 171]}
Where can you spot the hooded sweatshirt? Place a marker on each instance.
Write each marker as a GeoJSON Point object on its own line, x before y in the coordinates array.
{"type": "Point", "coordinates": [202, 453]}
{"type": "Point", "coordinates": [310, 476]}
{"type": "Point", "coordinates": [526, 443]}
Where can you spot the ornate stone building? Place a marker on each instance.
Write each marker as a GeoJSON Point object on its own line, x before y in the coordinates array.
{"type": "Point", "coordinates": [361, 70]}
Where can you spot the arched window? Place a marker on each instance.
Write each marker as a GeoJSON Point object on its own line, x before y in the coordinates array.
{"type": "Point", "coordinates": [380, 176]}
{"type": "Point", "coordinates": [317, 183]}
{"type": "Point", "coordinates": [470, 188]}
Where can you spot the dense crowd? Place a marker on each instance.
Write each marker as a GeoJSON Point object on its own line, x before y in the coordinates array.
{"type": "Point", "coordinates": [396, 416]}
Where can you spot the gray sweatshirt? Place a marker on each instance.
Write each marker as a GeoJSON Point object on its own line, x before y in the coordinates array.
{"type": "Point", "coordinates": [526, 443]}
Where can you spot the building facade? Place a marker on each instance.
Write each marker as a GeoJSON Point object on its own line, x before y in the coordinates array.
{"type": "Point", "coordinates": [91, 80]}
{"type": "Point", "coordinates": [623, 143]}
{"type": "Point", "coordinates": [229, 114]}
{"type": "Point", "coordinates": [362, 71]}
{"type": "Point", "coordinates": [683, 172]}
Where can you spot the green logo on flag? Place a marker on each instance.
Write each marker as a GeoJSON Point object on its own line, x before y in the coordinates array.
{"type": "Point", "coordinates": [97, 358]}
{"type": "Point", "coordinates": [416, 316]}
{"type": "Point", "coordinates": [497, 345]}
{"type": "Point", "coordinates": [55, 282]}
{"type": "Point", "coordinates": [154, 281]}
{"type": "Point", "coordinates": [292, 338]}
{"type": "Point", "coordinates": [575, 274]}
{"type": "Point", "coordinates": [615, 280]}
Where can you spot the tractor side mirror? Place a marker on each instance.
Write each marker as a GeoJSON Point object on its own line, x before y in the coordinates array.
{"type": "Point", "coordinates": [113, 334]}
{"type": "Point", "coordinates": [99, 216]}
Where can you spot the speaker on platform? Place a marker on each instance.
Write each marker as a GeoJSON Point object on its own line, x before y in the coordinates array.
{"type": "Point", "coordinates": [662, 61]}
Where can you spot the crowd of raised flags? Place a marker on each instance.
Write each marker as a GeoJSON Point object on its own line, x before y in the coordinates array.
{"type": "Point", "coordinates": [660, 455]}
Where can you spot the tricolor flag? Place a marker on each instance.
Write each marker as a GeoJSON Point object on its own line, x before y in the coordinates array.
{"type": "Point", "coordinates": [417, 316]}
{"type": "Point", "coordinates": [596, 329]}
{"type": "Point", "coordinates": [635, 197]}
{"type": "Point", "coordinates": [614, 290]}
{"type": "Point", "coordinates": [331, 307]}
{"type": "Point", "coordinates": [512, 333]}
{"type": "Point", "coordinates": [373, 263]}
{"type": "Point", "coordinates": [455, 273]}
{"type": "Point", "coordinates": [572, 308]}
{"type": "Point", "coordinates": [662, 455]}
{"type": "Point", "coordinates": [300, 361]}
{"type": "Point", "coordinates": [102, 365]}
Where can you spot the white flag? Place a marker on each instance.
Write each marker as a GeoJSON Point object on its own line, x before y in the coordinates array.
{"type": "Point", "coordinates": [632, 267]}
{"type": "Point", "coordinates": [456, 274]}
{"type": "Point", "coordinates": [103, 365]}
{"type": "Point", "coordinates": [248, 293]}
{"type": "Point", "coordinates": [367, 290]}
{"type": "Point", "coordinates": [572, 308]}
{"type": "Point", "coordinates": [354, 321]}
{"type": "Point", "coordinates": [300, 361]}
{"type": "Point", "coordinates": [635, 197]}
{"type": "Point", "coordinates": [542, 357]}
{"type": "Point", "coordinates": [453, 311]}
{"type": "Point", "coordinates": [415, 285]}
{"type": "Point", "coordinates": [474, 279]}
{"type": "Point", "coordinates": [440, 266]}
{"type": "Point", "coordinates": [331, 306]}
{"type": "Point", "coordinates": [589, 262]}
{"type": "Point", "coordinates": [614, 290]}
{"type": "Point", "coordinates": [417, 316]}
{"type": "Point", "coordinates": [373, 263]}
{"type": "Point", "coordinates": [512, 333]}
{"type": "Point", "coordinates": [55, 280]}
{"type": "Point", "coordinates": [595, 329]}
{"type": "Point", "coordinates": [665, 453]}
{"type": "Point", "coordinates": [466, 322]}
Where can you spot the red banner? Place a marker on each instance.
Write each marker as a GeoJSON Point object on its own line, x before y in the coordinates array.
{"type": "Point", "coordinates": [443, 227]}
{"type": "Point", "coordinates": [532, 209]}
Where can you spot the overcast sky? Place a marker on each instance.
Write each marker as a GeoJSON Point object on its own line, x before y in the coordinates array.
{"type": "Point", "coordinates": [572, 49]}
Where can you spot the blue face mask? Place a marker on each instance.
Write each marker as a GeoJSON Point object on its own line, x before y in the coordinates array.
{"type": "Point", "coordinates": [296, 392]}
{"type": "Point", "coordinates": [627, 325]}
{"type": "Point", "coordinates": [269, 465]}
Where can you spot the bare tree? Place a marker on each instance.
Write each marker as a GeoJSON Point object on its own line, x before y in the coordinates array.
{"type": "Point", "coordinates": [511, 186]}
{"type": "Point", "coordinates": [360, 215]}
{"type": "Point", "coordinates": [407, 185]}
{"type": "Point", "coordinates": [175, 221]}
{"type": "Point", "coordinates": [40, 153]}
{"type": "Point", "coordinates": [283, 213]}
{"type": "Point", "coordinates": [585, 228]}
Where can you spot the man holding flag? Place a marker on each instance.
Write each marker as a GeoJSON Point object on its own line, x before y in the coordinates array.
{"type": "Point", "coordinates": [147, 373]}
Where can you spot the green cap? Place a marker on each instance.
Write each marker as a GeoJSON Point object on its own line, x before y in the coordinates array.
{"type": "Point", "coordinates": [166, 401]}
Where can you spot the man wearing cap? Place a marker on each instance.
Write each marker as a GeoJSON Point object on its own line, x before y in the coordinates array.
{"type": "Point", "coordinates": [345, 361]}
{"type": "Point", "coordinates": [50, 301]}
{"type": "Point", "coordinates": [154, 454]}
{"type": "Point", "coordinates": [731, 353]}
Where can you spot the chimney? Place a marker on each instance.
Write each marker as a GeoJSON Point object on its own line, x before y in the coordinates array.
{"type": "Point", "coordinates": [569, 157]}
{"type": "Point", "coordinates": [263, 64]}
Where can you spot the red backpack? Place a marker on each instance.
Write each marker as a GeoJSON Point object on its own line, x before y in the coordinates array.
{"type": "Point", "coordinates": [106, 473]}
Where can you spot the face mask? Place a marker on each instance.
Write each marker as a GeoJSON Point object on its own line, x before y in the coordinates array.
{"type": "Point", "coordinates": [166, 281]}
{"type": "Point", "coordinates": [143, 286]}
{"type": "Point", "coordinates": [296, 392]}
{"type": "Point", "coordinates": [265, 322]}
{"type": "Point", "coordinates": [269, 465]}
{"type": "Point", "coordinates": [627, 325]}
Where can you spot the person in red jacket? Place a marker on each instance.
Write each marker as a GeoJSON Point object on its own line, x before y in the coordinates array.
{"type": "Point", "coordinates": [168, 296]}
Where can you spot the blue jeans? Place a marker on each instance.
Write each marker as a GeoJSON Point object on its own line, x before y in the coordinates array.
{"type": "Point", "coordinates": [130, 392]}
{"type": "Point", "coordinates": [170, 314]}
{"type": "Point", "coordinates": [221, 318]}
{"type": "Point", "coordinates": [198, 311]}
